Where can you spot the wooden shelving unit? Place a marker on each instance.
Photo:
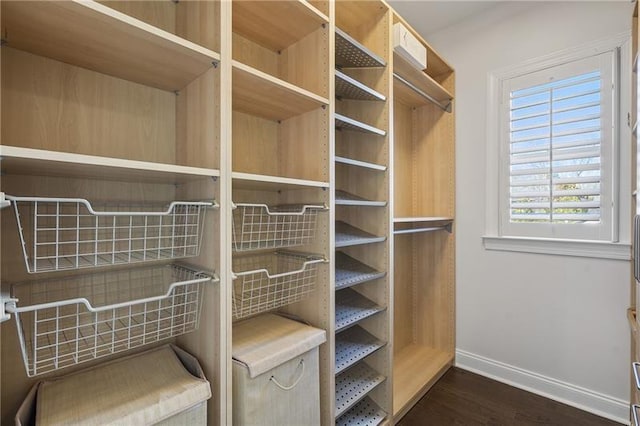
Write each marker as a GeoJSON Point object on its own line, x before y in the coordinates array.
{"type": "Point", "coordinates": [94, 36]}
{"type": "Point", "coordinates": [109, 104]}
{"type": "Point", "coordinates": [363, 227]}
{"type": "Point", "coordinates": [275, 103]}
{"type": "Point", "coordinates": [424, 211]}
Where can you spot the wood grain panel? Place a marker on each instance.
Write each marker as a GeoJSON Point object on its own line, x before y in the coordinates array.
{"type": "Point", "coordinates": [435, 154]}
{"type": "Point", "coordinates": [403, 167]}
{"type": "Point", "coordinates": [255, 144]}
{"type": "Point", "coordinates": [404, 313]}
{"type": "Point", "coordinates": [304, 146]}
{"type": "Point", "coordinates": [305, 63]}
{"type": "Point", "coordinates": [55, 106]}
{"type": "Point", "coordinates": [198, 122]}
{"type": "Point", "coordinates": [161, 14]}
{"type": "Point", "coordinates": [199, 22]}
{"type": "Point", "coordinates": [254, 55]}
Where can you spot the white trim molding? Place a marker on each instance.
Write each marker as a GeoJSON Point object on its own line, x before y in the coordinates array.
{"type": "Point", "coordinates": [594, 402]}
{"type": "Point", "coordinates": [579, 248]}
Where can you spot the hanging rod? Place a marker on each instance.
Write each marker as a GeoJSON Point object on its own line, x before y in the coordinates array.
{"type": "Point", "coordinates": [429, 229]}
{"type": "Point", "coordinates": [420, 92]}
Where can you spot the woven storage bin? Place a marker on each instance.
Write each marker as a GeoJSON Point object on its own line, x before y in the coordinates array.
{"type": "Point", "coordinates": [162, 386]}
{"type": "Point", "coordinates": [275, 372]}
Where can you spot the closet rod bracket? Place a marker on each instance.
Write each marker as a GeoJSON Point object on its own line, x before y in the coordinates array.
{"type": "Point", "coordinates": [7, 305]}
{"type": "Point", "coordinates": [3, 201]}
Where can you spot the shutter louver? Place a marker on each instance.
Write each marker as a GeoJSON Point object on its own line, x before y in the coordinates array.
{"type": "Point", "coordinates": [555, 138]}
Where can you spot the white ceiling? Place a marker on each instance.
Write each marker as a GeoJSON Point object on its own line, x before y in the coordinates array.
{"type": "Point", "coordinates": [428, 17]}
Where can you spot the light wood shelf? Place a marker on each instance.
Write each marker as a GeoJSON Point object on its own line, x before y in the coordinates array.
{"type": "Point", "coordinates": [421, 81]}
{"type": "Point", "coordinates": [276, 24]}
{"type": "Point", "coordinates": [93, 36]}
{"type": "Point", "coordinates": [36, 162]}
{"type": "Point", "coordinates": [258, 93]}
{"type": "Point", "coordinates": [272, 183]}
{"type": "Point", "coordinates": [415, 369]}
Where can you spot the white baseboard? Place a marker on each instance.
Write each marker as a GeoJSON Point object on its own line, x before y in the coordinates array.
{"type": "Point", "coordinates": [602, 405]}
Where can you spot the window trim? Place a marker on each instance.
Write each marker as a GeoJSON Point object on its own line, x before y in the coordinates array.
{"type": "Point", "coordinates": [493, 239]}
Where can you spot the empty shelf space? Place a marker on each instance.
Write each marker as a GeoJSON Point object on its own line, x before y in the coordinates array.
{"type": "Point", "coordinates": [258, 93]}
{"type": "Point", "coordinates": [350, 88]}
{"type": "Point", "coordinates": [354, 384]}
{"type": "Point", "coordinates": [412, 225]}
{"type": "Point", "coordinates": [257, 182]}
{"type": "Point", "coordinates": [353, 345]}
{"type": "Point", "coordinates": [350, 272]}
{"type": "Point", "coordinates": [344, 198]}
{"type": "Point", "coordinates": [37, 162]}
{"type": "Point", "coordinates": [358, 163]}
{"type": "Point", "coordinates": [409, 382]}
{"type": "Point", "coordinates": [91, 35]}
{"type": "Point", "coordinates": [352, 307]}
{"type": "Point", "coordinates": [347, 235]}
{"type": "Point", "coordinates": [276, 24]}
{"type": "Point", "coordinates": [350, 53]}
{"type": "Point", "coordinates": [365, 413]}
{"type": "Point", "coordinates": [415, 87]}
{"type": "Point", "coordinates": [346, 123]}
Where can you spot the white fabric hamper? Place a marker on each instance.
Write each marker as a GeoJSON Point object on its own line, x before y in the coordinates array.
{"type": "Point", "coordinates": [275, 372]}
{"type": "Point", "coordinates": [163, 386]}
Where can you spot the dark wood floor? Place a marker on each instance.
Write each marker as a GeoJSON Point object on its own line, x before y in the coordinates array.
{"type": "Point", "coordinates": [464, 398]}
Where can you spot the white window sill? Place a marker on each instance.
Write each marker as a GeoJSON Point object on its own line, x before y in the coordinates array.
{"type": "Point", "coordinates": [598, 249]}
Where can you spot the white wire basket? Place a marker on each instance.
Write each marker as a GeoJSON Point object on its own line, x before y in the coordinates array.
{"type": "Point", "coordinates": [258, 226]}
{"type": "Point", "coordinates": [68, 321]}
{"type": "Point", "coordinates": [67, 233]}
{"type": "Point", "coordinates": [267, 281]}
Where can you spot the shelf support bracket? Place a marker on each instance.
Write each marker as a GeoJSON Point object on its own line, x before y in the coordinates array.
{"type": "Point", "coordinates": [3, 201]}
{"type": "Point", "coordinates": [7, 305]}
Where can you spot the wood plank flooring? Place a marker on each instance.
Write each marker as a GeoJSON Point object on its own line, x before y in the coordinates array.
{"type": "Point", "coordinates": [464, 398]}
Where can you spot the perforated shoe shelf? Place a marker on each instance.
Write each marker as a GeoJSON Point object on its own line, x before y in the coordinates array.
{"type": "Point", "coordinates": [353, 345]}
{"type": "Point", "coordinates": [350, 88]}
{"type": "Point", "coordinates": [344, 198]}
{"type": "Point", "coordinates": [347, 235]}
{"type": "Point", "coordinates": [352, 307]}
{"type": "Point", "coordinates": [350, 271]}
{"type": "Point", "coordinates": [364, 413]}
{"type": "Point", "coordinates": [353, 385]}
{"type": "Point", "coordinates": [350, 53]}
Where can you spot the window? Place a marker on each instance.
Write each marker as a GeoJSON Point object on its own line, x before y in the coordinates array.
{"type": "Point", "coordinates": [558, 148]}
{"type": "Point", "coordinates": [557, 142]}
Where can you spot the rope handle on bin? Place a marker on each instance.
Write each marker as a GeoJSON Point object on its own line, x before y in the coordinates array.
{"type": "Point", "coordinates": [295, 383]}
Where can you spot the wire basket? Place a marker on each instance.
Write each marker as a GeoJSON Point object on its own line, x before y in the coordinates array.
{"type": "Point", "coordinates": [72, 320]}
{"type": "Point", "coordinates": [258, 226]}
{"type": "Point", "coordinates": [265, 282]}
{"type": "Point", "coordinates": [67, 233]}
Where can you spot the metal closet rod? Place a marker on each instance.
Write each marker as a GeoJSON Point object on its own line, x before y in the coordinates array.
{"type": "Point", "coordinates": [429, 229]}
{"type": "Point", "coordinates": [420, 92]}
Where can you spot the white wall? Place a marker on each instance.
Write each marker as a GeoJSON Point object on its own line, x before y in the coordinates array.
{"type": "Point", "coordinates": [553, 324]}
